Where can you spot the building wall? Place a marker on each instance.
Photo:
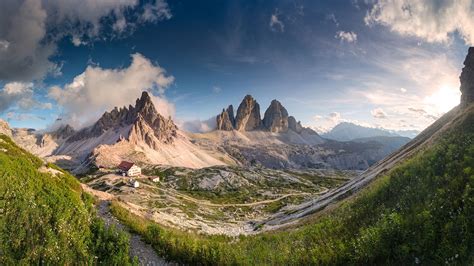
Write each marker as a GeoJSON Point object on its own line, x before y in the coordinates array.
{"type": "Point", "coordinates": [134, 171]}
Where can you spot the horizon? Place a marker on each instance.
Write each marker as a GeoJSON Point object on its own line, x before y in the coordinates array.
{"type": "Point", "coordinates": [326, 62]}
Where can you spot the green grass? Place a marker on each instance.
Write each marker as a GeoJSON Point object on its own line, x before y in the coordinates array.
{"type": "Point", "coordinates": [47, 219]}
{"type": "Point", "coordinates": [422, 211]}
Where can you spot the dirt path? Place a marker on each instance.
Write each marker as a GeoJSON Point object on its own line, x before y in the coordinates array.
{"type": "Point", "coordinates": [210, 204]}
{"type": "Point", "coordinates": [143, 251]}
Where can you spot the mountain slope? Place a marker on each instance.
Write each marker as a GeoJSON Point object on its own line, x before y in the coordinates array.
{"type": "Point", "coordinates": [417, 206]}
{"type": "Point", "coordinates": [46, 218]}
{"type": "Point", "coordinates": [135, 133]}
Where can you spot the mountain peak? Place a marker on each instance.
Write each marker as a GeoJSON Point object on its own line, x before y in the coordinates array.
{"type": "Point", "coordinates": [276, 117]}
{"type": "Point", "coordinates": [146, 123]}
{"type": "Point", "coordinates": [248, 115]}
{"type": "Point", "coordinates": [467, 79]}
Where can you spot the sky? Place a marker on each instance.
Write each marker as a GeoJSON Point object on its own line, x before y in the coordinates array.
{"type": "Point", "coordinates": [380, 63]}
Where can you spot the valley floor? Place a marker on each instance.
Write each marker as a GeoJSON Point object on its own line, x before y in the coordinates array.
{"type": "Point", "coordinates": [217, 200]}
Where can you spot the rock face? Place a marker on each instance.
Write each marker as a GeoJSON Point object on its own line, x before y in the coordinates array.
{"type": "Point", "coordinates": [63, 132]}
{"type": "Point", "coordinates": [146, 124]}
{"type": "Point", "coordinates": [293, 125]}
{"type": "Point", "coordinates": [248, 115]}
{"type": "Point", "coordinates": [5, 128]}
{"type": "Point", "coordinates": [467, 79]}
{"type": "Point", "coordinates": [276, 117]}
{"type": "Point", "coordinates": [226, 120]}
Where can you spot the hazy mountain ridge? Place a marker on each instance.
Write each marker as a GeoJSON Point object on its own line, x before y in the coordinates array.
{"type": "Point", "coordinates": [346, 131]}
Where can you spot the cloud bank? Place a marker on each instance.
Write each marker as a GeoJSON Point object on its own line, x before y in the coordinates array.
{"type": "Point", "coordinates": [30, 30]}
{"type": "Point", "coordinates": [19, 96]}
{"type": "Point", "coordinates": [433, 21]}
{"type": "Point", "coordinates": [97, 90]}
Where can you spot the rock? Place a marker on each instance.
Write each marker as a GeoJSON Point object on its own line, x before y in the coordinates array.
{"type": "Point", "coordinates": [248, 115]}
{"type": "Point", "coordinates": [293, 125]}
{"type": "Point", "coordinates": [226, 120]}
{"type": "Point", "coordinates": [467, 79]}
{"type": "Point", "coordinates": [5, 128]}
{"type": "Point", "coordinates": [146, 124]}
{"type": "Point", "coordinates": [230, 111]}
{"type": "Point", "coordinates": [276, 117]}
{"type": "Point", "coordinates": [63, 132]}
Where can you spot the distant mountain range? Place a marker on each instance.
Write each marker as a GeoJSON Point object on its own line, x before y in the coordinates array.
{"type": "Point", "coordinates": [346, 131]}
{"type": "Point", "coordinates": [142, 135]}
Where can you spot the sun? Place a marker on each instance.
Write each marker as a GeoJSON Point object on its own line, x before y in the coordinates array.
{"type": "Point", "coordinates": [444, 99]}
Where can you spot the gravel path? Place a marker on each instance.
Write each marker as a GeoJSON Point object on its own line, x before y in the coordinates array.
{"type": "Point", "coordinates": [143, 251]}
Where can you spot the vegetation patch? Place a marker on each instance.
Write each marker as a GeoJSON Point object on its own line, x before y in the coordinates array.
{"type": "Point", "coordinates": [47, 219]}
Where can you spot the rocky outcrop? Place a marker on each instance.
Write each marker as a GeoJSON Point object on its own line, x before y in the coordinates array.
{"type": "Point", "coordinates": [276, 117]}
{"type": "Point", "coordinates": [146, 124]}
{"type": "Point", "coordinates": [293, 125]}
{"type": "Point", "coordinates": [226, 120]}
{"type": "Point", "coordinates": [248, 115]}
{"type": "Point", "coordinates": [467, 79]}
{"type": "Point", "coordinates": [63, 132]}
{"type": "Point", "coordinates": [5, 128]}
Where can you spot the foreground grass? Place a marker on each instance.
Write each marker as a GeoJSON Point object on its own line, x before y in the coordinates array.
{"type": "Point", "coordinates": [420, 212]}
{"type": "Point", "coordinates": [47, 219]}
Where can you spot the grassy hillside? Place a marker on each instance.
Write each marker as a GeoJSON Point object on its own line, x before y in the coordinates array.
{"type": "Point", "coordinates": [422, 211]}
{"type": "Point", "coordinates": [45, 218]}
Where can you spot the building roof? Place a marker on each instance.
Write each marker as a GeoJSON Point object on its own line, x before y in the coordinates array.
{"type": "Point", "coordinates": [125, 166]}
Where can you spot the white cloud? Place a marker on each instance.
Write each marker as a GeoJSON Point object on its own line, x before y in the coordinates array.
{"type": "Point", "coordinates": [30, 29]}
{"type": "Point", "coordinates": [275, 23]}
{"type": "Point", "coordinates": [19, 95]}
{"type": "Point", "coordinates": [345, 36]}
{"type": "Point", "coordinates": [216, 89]}
{"type": "Point", "coordinates": [198, 126]}
{"type": "Point", "coordinates": [332, 17]}
{"type": "Point", "coordinates": [325, 123]}
{"type": "Point", "coordinates": [97, 90]}
{"type": "Point", "coordinates": [433, 21]}
{"type": "Point", "coordinates": [378, 113]}
{"type": "Point", "coordinates": [157, 11]}
{"type": "Point", "coordinates": [403, 90]}
{"type": "Point", "coordinates": [4, 45]}
{"type": "Point", "coordinates": [23, 117]}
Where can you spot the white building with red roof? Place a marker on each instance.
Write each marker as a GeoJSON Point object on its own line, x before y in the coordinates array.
{"type": "Point", "coordinates": [130, 169]}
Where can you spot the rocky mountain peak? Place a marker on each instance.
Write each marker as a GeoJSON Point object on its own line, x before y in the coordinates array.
{"type": "Point", "coordinates": [467, 79]}
{"type": "Point", "coordinates": [226, 120]}
{"type": "Point", "coordinates": [276, 117]}
{"type": "Point", "coordinates": [63, 132]}
{"type": "Point", "coordinates": [293, 125]}
{"type": "Point", "coordinates": [147, 125]}
{"type": "Point", "coordinates": [248, 115]}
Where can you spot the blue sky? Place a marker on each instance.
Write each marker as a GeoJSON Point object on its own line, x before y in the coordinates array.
{"type": "Point", "coordinates": [369, 62]}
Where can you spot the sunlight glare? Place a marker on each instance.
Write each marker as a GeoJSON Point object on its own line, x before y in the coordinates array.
{"type": "Point", "coordinates": [444, 99]}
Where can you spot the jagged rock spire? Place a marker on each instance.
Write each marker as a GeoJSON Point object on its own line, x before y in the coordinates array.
{"type": "Point", "coordinates": [467, 79]}
{"type": "Point", "coordinates": [225, 120]}
{"type": "Point", "coordinates": [276, 117]}
{"type": "Point", "coordinates": [248, 115]}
